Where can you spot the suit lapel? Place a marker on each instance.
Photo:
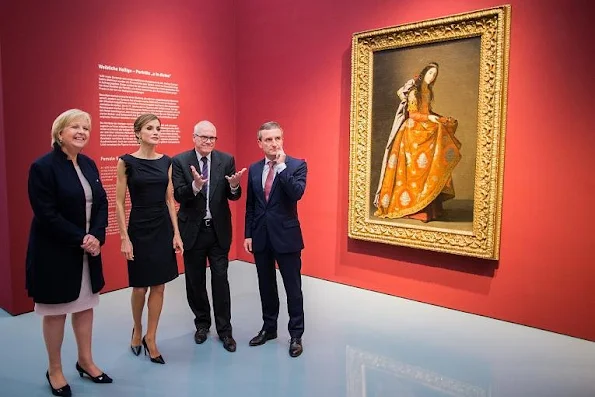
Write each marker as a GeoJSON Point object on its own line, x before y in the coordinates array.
{"type": "Point", "coordinates": [257, 181]}
{"type": "Point", "coordinates": [192, 160]}
{"type": "Point", "coordinates": [216, 173]}
{"type": "Point", "coordinates": [91, 177]}
{"type": "Point", "coordinates": [272, 193]}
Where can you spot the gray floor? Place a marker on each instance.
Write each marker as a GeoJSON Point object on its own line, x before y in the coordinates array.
{"type": "Point", "coordinates": [357, 343]}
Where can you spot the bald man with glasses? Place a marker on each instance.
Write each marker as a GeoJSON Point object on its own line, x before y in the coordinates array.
{"type": "Point", "coordinates": [205, 180]}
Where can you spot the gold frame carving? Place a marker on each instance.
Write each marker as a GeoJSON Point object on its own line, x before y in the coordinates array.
{"type": "Point", "coordinates": [492, 26]}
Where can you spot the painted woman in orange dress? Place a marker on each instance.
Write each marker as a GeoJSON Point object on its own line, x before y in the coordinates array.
{"type": "Point", "coordinates": [421, 153]}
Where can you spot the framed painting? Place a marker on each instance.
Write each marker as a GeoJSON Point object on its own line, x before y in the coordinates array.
{"type": "Point", "coordinates": [428, 118]}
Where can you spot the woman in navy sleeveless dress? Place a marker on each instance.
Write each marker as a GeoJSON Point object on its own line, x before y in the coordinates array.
{"type": "Point", "coordinates": [152, 238]}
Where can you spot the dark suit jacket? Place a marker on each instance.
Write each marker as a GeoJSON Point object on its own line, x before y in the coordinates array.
{"type": "Point", "coordinates": [193, 208]}
{"type": "Point", "coordinates": [278, 217]}
{"type": "Point", "coordinates": [54, 257]}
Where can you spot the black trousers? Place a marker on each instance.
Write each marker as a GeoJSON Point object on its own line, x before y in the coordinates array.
{"type": "Point", "coordinates": [290, 265]}
{"type": "Point", "coordinates": [195, 265]}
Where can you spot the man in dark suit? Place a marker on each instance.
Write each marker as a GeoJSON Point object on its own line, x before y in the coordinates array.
{"type": "Point", "coordinates": [272, 231]}
{"type": "Point", "coordinates": [204, 180]}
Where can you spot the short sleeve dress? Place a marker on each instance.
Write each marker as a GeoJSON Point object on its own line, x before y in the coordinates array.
{"type": "Point", "coordinates": [149, 224]}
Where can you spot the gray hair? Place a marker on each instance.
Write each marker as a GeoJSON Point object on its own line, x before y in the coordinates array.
{"type": "Point", "coordinates": [202, 125]}
{"type": "Point", "coordinates": [269, 125]}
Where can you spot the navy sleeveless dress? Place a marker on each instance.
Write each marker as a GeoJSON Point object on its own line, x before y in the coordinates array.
{"type": "Point", "coordinates": [149, 225]}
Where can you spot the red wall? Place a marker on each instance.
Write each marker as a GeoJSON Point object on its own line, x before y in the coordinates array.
{"type": "Point", "coordinates": [290, 61]}
{"type": "Point", "coordinates": [50, 53]}
{"type": "Point", "coordinates": [294, 67]}
{"type": "Point", "coordinates": [5, 285]}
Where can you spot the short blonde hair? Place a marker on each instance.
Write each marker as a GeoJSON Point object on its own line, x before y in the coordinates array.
{"type": "Point", "coordinates": [63, 120]}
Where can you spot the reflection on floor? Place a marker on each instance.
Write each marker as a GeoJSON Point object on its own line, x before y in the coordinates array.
{"type": "Point", "coordinates": [357, 343]}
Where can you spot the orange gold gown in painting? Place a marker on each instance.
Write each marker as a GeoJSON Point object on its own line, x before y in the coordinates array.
{"type": "Point", "coordinates": [417, 176]}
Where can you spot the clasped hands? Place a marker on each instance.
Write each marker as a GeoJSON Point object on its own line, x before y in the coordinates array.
{"type": "Point", "coordinates": [91, 245]}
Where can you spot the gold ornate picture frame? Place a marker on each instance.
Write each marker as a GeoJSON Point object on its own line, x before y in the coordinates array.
{"type": "Point", "coordinates": [428, 118]}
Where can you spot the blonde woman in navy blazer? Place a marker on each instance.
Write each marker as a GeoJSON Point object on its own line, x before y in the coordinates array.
{"type": "Point", "coordinates": [64, 271]}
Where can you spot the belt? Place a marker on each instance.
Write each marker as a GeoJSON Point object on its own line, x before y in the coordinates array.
{"type": "Point", "coordinates": [207, 222]}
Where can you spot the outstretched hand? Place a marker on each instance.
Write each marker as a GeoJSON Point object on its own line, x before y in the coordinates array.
{"type": "Point", "coordinates": [234, 180]}
{"type": "Point", "coordinates": [199, 181]}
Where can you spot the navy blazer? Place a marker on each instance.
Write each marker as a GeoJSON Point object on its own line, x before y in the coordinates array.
{"type": "Point", "coordinates": [54, 256]}
{"type": "Point", "coordinates": [277, 218]}
{"type": "Point", "coordinates": [193, 208]}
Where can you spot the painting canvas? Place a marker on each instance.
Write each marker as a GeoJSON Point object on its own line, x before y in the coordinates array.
{"type": "Point", "coordinates": [427, 133]}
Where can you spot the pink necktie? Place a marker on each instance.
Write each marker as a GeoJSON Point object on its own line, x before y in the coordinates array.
{"type": "Point", "coordinates": [269, 182]}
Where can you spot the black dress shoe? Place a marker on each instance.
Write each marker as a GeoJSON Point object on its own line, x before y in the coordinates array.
{"type": "Point", "coordinates": [228, 343]}
{"type": "Point", "coordinates": [262, 337]}
{"type": "Point", "coordinates": [200, 336]}
{"type": "Point", "coordinates": [103, 378]}
{"type": "Point", "coordinates": [64, 391]}
{"type": "Point", "coordinates": [295, 347]}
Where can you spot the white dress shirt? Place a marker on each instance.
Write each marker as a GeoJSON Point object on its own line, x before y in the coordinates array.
{"type": "Point", "coordinates": [265, 171]}
{"type": "Point", "coordinates": [195, 190]}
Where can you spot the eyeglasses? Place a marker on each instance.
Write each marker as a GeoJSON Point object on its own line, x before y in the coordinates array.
{"type": "Point", "coordinates": [205, 138]}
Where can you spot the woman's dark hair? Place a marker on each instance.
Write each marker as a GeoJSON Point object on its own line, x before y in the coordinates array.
{"type": "Point", "coordinates": [419, 81]}
{"type": "Point", "coordinates": [140, 122]}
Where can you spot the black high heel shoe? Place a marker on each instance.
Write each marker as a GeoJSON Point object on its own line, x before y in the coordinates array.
{"type": "Point", "coordinates": [103, 378]}
{"type": "Point", "coordinates": [64, 391]}
{"type": "Point", "coordinates": [135, 349]}
{"type": "Point", "coordinates": [158, 359]}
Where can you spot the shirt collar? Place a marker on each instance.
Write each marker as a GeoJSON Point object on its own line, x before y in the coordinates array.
{"type": "Point", "coordinates": [266, 161]}
{"type": "Point", "coordinates": [199, 157]}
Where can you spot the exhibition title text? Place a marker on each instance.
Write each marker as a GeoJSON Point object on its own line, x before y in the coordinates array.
{"type": "Point", "coordinates": [135, 71]}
